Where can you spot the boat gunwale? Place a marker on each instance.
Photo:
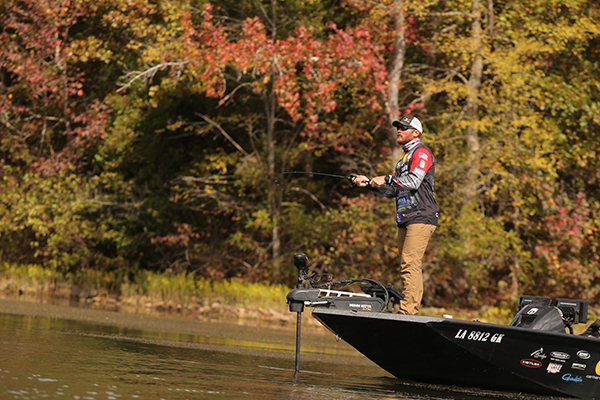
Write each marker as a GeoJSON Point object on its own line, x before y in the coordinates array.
{"type": "Point", "coordinates": [424, 319]}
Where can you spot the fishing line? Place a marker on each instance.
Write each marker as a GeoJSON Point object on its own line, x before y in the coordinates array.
{"type": "Point", "coordinates": [349, 177]}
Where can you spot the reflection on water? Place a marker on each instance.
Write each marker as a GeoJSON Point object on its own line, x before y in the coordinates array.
{"type": "Point", "coordinates": [54, 358]}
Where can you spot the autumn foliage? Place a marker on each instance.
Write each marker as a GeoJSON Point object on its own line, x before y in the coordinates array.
{"type": "Point", "coordinates": [152, 135]}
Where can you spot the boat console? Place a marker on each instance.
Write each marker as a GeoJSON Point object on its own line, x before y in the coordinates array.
{"type": "Point", "coordinates": [539, 313]}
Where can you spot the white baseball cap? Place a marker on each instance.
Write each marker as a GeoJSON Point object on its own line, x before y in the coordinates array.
{"type": "Point", "coordinates": [409, 120]}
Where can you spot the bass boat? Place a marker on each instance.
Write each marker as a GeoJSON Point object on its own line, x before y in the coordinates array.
{"type": "Point", "coordinates": [536, 353]}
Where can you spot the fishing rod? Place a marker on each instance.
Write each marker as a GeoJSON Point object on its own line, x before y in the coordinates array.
{"type": "Point", "coordinates": [349, 177]}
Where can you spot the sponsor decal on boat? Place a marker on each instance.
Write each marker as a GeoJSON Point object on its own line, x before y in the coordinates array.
{"type": "Point", "coordinates": [361, 306]}
{"type": "Point", "coordinates": [554, 368]}
{"type": "Point", "coordinates": [479, 336]}
{"type": "Point", "coordinates": [530, 363]}
{"type": "Point", "coordinates": [595, 377]}
{"type": "Point", "coordinates": [571, 378]}
{"type": "Point", "coordinates": [578, 366]}
{"type": "Point", "coordinates": [598, 368]}
{"type": "Point", "coordinates": [539, 354]}
{"type": "Point", "coordinates": [584, 355]}
{"type": "Point", "coordinates": [559, 356]}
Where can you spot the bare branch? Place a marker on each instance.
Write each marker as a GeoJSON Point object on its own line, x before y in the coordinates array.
{"type": "Point", "coordinates": [218, 126]}
{"type": "Point", "coordinates": [147, 75]}
{"type": "Point", "coordinates": [312, 196]}
{"type": "Point", "coordinates": [244, 263]}
{"type": "Point", "coordinates": [221, 180]}
{"type": "Point", "coordinates": [230, 95]}
{"type": "Point", "coordinates": [269, 20]}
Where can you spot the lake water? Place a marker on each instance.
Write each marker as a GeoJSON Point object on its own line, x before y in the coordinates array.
{"type": "Point", "coordinates": [54, 358]}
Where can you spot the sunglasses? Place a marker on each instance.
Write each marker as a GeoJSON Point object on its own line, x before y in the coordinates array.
{"type": "Point", "coordinates": [405, 128]}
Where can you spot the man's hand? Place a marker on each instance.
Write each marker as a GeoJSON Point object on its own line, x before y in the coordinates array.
{"type": "Point", "coordinates": [378, 181]}
{"type": "Point", "coordinates": [360, 180]}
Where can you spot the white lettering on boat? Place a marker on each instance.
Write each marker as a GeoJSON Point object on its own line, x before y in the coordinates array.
{"type": "Point", "coordinates": [361, 306]}
{"type": "Point", "coordinates": [478, 336]}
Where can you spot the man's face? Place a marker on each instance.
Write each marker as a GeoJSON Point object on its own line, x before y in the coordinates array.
{"type": "Point", "coordinates": [406, 134]}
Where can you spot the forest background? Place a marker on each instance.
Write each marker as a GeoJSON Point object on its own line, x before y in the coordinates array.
{"type": "Point", "coordinates": [146, 137]}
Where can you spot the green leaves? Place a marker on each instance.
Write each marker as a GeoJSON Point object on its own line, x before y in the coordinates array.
{"type": "Point", "coordinates": [137, 133]}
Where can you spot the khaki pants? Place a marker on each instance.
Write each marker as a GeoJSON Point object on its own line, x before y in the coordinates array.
{"type": "Point", "coordinates": [412, 242]}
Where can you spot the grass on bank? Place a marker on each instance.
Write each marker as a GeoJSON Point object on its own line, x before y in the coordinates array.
{"type": "Point", "coordinates": [186, 289]}
{"type": "Point", "coordinates": [182, 288]}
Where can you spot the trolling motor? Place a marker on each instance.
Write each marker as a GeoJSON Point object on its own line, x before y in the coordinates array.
{"type": "Point", "coordinates": [376, 297]}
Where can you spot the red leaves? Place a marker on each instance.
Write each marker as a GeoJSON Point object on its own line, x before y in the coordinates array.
{"type": "Point", "coordinates": [301, 70]}
{"type": "Point", "coordinates": [50, 102]}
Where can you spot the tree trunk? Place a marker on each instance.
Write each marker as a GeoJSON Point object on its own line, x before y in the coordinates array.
{"type": "Point", "coordinates": [395, 73]}
{"type": "Point", "coordinates": [474, 82]}
{"type": "Point", "coordinates": [469, 203]}
{"type": "Point", "coordinates": [274, 198]}
{"type": "Point", "coordinates": [473, 85]}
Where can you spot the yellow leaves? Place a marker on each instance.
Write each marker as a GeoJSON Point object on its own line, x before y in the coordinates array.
{"type": "Point", "coordinates": [152, 90]}
{"type": "Point", "coordinates": [260, 220]}
{"type": "Point", "coordinates": [89, 49]}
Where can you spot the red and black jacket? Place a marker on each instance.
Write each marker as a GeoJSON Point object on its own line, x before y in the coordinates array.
{"type": "Point", "coordinates": [412, 185]}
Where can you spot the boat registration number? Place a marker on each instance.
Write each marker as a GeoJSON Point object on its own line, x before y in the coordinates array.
{"type": "Point", "coordinates": [479, 336]}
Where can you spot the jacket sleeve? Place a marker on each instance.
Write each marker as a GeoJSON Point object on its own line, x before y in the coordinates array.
{"type": "Point", "coordinates": [386, 190]}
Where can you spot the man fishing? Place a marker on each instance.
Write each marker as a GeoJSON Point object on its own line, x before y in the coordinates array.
{"type": "Point", "coordinates": [416, 209]}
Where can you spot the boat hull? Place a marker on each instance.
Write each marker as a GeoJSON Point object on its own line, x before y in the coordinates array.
{"type": "Point", "coordinates": [471, 353]}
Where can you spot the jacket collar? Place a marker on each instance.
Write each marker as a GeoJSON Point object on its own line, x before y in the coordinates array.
{"type": "Point", "coordinates": [411, 145]}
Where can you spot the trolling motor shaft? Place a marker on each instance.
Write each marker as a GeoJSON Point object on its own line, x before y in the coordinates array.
{"type": "Point", "coordinates": [301, 263]}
